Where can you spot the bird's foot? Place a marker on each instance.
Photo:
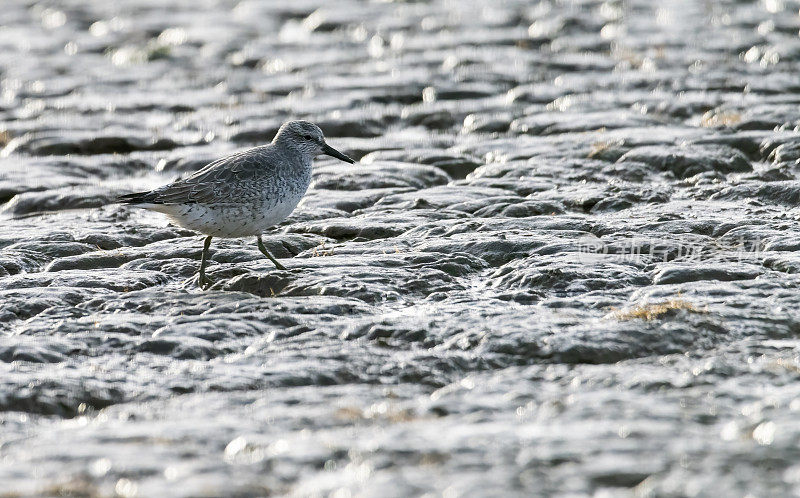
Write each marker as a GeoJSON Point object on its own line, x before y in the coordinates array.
{"type": "Point", "coordinates": [204, 282]}
{"type": "Point", "coordinates": [266, 253]}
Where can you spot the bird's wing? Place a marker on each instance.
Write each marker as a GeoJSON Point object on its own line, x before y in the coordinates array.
{"type": "Point", "coordinates": [220, 180]}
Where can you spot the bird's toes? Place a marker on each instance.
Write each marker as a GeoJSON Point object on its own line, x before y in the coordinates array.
{"type": "Point", "coordinates": [198, 280]}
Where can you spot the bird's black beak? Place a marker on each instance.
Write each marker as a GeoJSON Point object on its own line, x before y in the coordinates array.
{"type": "Point", "coordinates": [330, 151]}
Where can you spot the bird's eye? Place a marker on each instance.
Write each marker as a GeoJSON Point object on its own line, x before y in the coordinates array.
{"type": "Point", "coordinates": [307, 137]}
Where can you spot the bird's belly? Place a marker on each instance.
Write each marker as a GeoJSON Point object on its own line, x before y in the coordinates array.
{"type": "Point", "coordinates": [234, 220]}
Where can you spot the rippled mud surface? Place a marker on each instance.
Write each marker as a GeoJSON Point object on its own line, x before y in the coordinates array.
{"type": "Point", "coordinates": [565, 262]}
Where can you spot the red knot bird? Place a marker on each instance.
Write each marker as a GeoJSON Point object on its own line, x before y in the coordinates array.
{"type": "Point", "coordinates": [243, 194]}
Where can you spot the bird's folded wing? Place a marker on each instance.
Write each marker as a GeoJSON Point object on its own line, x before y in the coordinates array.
{"type": "Point", "coordinates": [224, 180]}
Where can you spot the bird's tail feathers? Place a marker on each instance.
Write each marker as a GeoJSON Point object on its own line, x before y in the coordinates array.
{"type": "Point", "coordinates": [135, 198]}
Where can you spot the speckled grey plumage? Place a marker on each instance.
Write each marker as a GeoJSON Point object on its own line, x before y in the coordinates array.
{"type": "Point", "coordinates": [261, 174]}
{"type": "Point", "coordinates": [243, 194]}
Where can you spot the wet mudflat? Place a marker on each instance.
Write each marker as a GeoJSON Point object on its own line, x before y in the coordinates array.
{"type": "Point", "coordinates": [566, 261]}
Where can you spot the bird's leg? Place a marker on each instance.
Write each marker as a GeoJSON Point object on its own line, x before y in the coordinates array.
{"type": "Point", "coordinates": [205, 281]}
{"type": "Point", "coordinates": [267, 254]}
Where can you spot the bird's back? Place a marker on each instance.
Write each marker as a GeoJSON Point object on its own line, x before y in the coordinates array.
{"type": "Point", "coordinates": [253, 175]}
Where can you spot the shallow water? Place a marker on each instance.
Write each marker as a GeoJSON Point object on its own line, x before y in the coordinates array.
{"type": "Point", "coordinates": [564, 264]}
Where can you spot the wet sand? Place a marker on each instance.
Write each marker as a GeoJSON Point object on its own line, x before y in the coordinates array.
{"type": "Point", "coordinates": [565, 262]}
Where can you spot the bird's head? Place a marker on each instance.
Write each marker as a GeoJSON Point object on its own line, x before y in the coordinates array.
{"type": "Point", "coordinates": [306, 138]}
